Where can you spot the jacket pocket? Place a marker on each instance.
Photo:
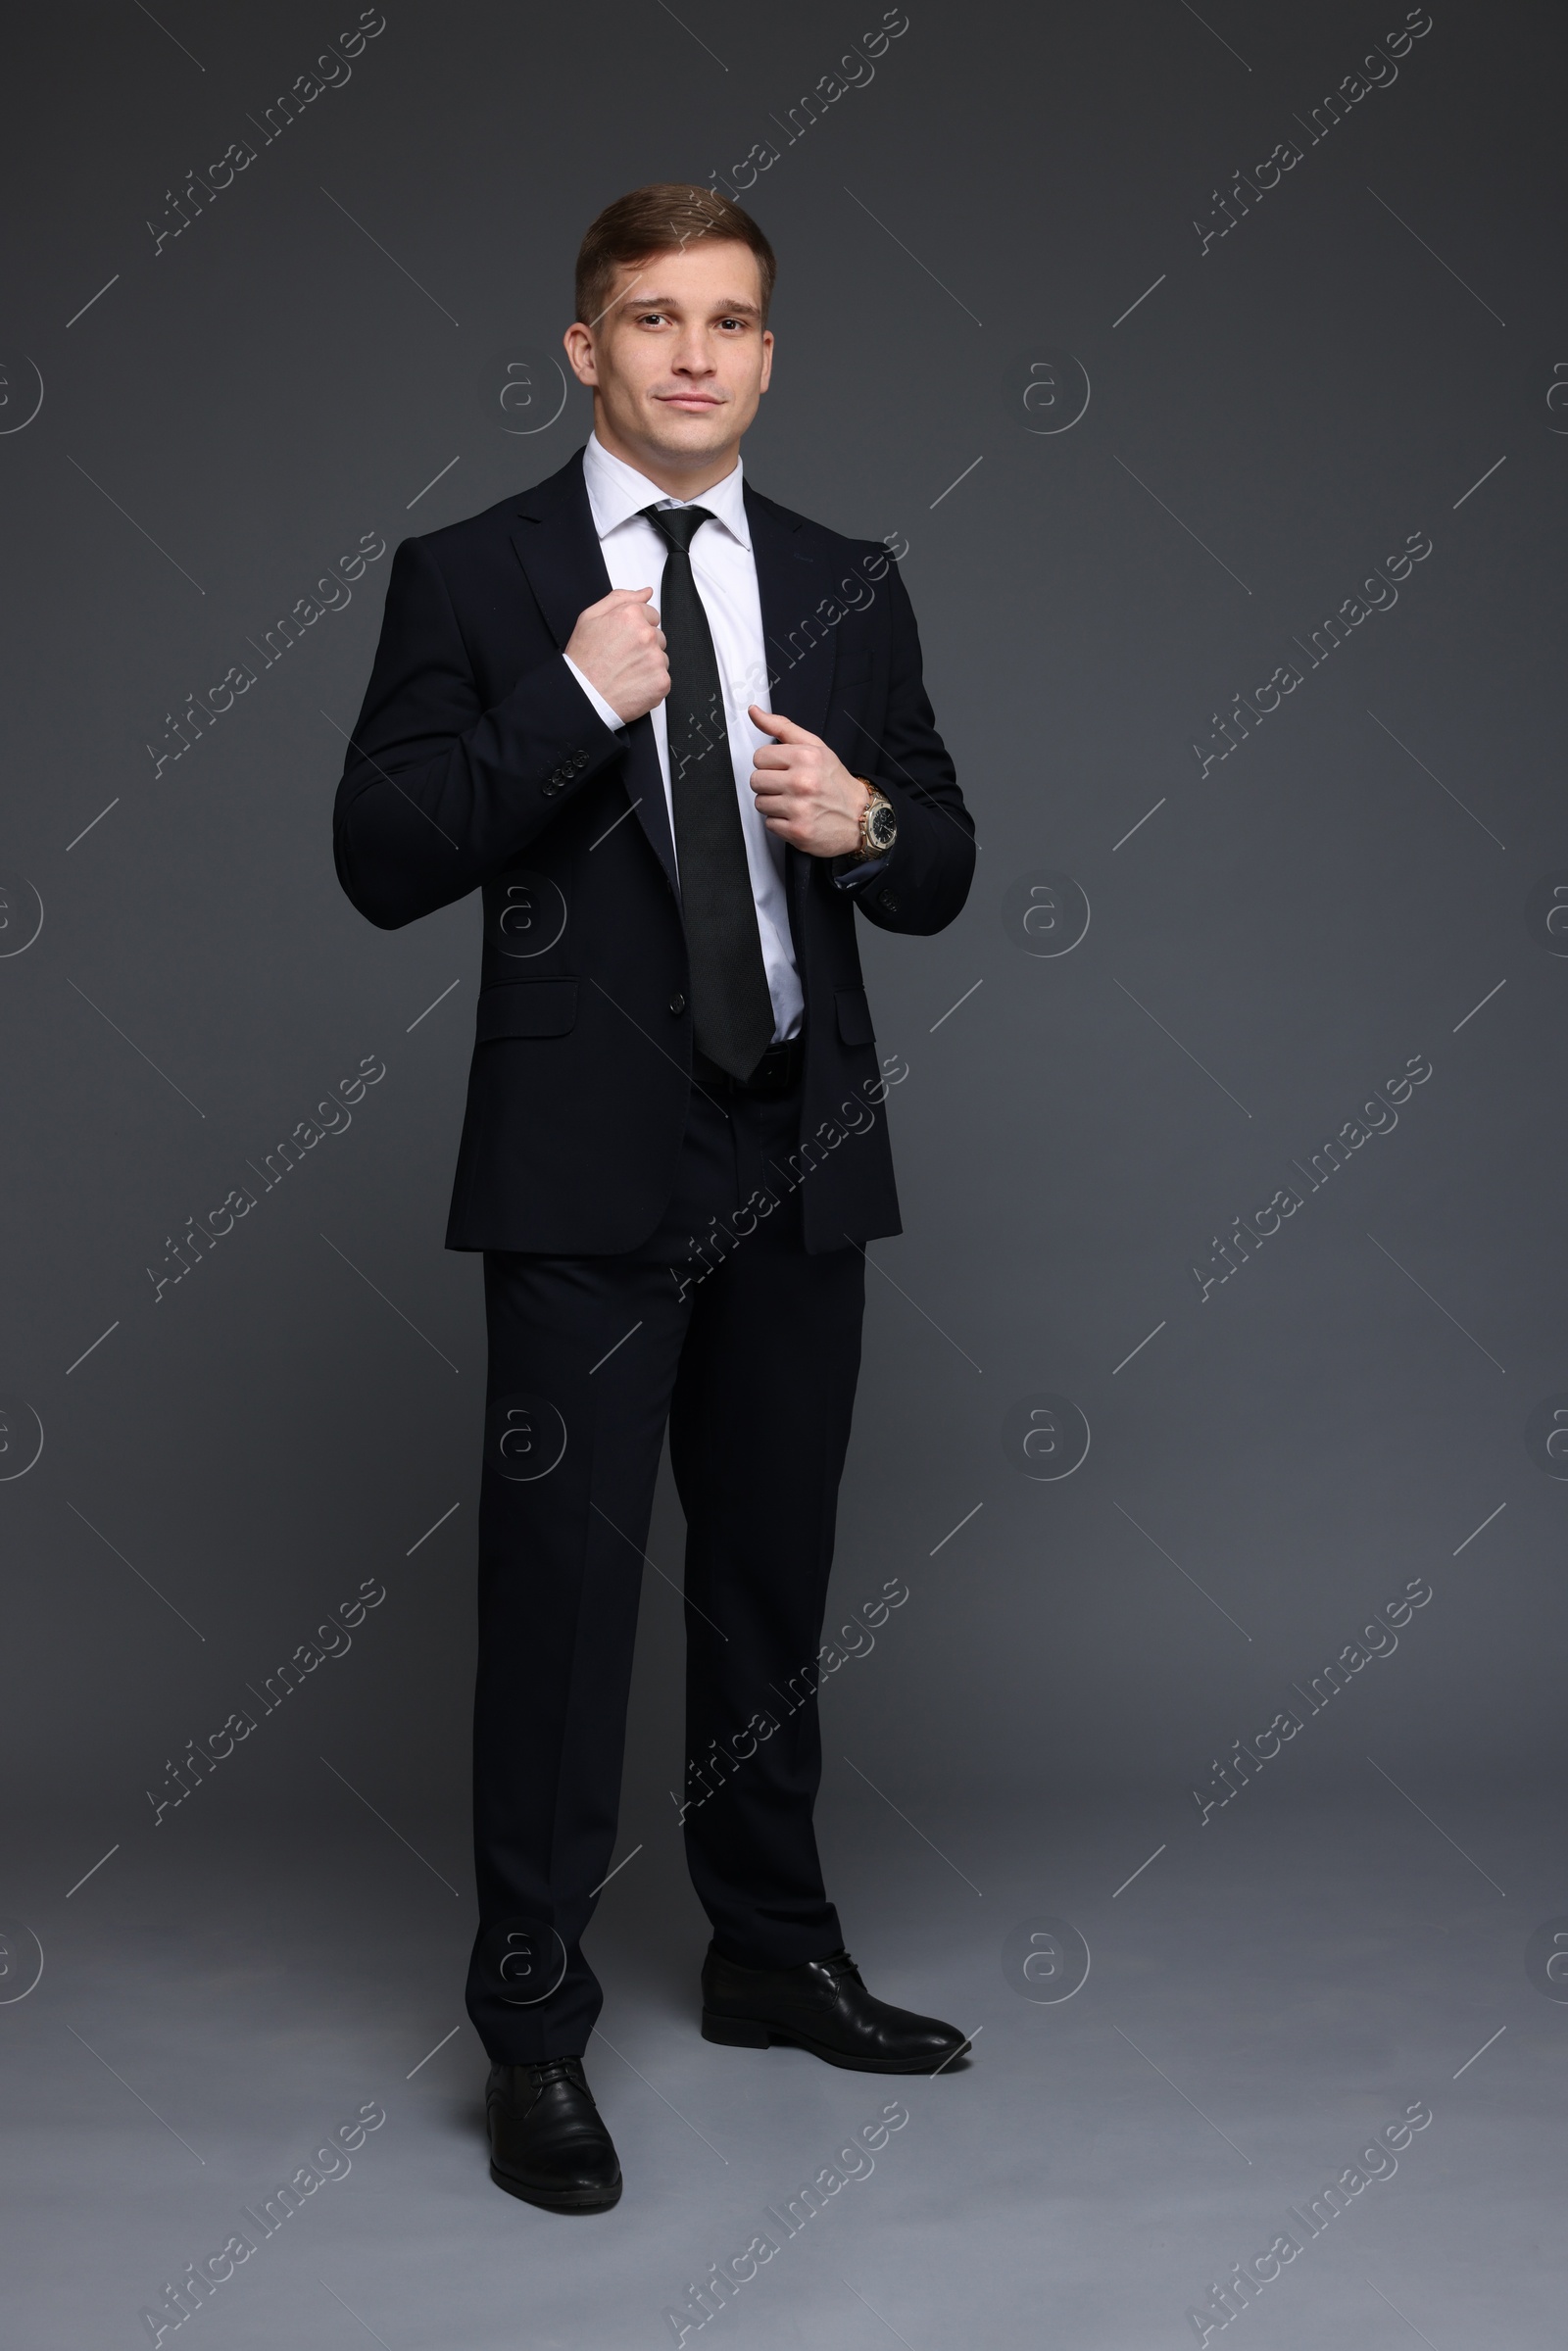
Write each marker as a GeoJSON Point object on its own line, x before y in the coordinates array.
{"type": "Point", "coordinates": [527, 1009]}
{"type": "Point", "coordinates": [854, 1017]}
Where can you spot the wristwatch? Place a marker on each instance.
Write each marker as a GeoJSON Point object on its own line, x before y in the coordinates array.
{"type": "Point", "coordinates": [879, 827]}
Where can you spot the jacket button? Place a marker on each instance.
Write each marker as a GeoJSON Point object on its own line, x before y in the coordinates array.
{"type": "Point", "coordinates": [677, 1004]}
{"type": "Point", "coordinates": [887, 902]}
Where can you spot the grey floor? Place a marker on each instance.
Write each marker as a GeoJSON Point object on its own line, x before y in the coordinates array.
{"type": "Point", "coordinates": [1265, 1995]}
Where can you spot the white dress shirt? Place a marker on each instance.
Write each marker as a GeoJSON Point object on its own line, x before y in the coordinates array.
{"type": "Point", "coordinates": [726, 574]}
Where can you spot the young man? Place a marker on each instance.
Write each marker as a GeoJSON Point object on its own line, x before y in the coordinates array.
{"type": "Point", "coordinates": [677, 735]}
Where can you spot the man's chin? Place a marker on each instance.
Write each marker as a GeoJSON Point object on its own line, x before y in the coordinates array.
{"type": "Point", "coordinates": [692, 432]}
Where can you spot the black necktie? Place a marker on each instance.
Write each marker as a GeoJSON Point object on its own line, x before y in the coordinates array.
{"type": "Point", "coordinates": [732, 1012]}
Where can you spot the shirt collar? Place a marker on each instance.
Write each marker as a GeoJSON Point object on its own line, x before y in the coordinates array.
{"type": "Point", "coordinates": [616, 491]}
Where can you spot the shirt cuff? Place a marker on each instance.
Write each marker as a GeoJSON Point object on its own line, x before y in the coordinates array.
{"type": "Point", "coordinates": [603, 709]}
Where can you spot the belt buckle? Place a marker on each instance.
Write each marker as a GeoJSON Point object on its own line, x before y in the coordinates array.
{"type": "Point", "coordinates": [777, 1068]}
{"type": "Point", "coordinates": [774, 1073]}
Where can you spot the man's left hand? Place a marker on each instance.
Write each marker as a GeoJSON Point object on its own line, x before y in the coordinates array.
{"type": "Point", "coordinates": [804, 791]}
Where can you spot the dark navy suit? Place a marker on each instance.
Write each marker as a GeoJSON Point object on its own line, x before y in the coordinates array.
{"type": "Point", "coordinates": [701, 1235]}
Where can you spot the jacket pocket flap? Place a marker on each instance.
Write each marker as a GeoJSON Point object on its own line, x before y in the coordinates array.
{"type": "Point", "coordinates": [854, 1017]}
{"type": "Point", "coordinates": [527, 1009]}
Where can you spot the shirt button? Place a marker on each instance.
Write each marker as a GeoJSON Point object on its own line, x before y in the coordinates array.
{"type": "Point", "coordinates": [677, 1004]}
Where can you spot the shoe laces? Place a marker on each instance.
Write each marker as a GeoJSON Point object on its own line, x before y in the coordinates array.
{"type": "Point", "coordinates": [558, 2068]}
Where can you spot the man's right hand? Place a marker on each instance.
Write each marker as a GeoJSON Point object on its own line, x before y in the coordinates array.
{"type": "Point", "coordinates": [618, 644]}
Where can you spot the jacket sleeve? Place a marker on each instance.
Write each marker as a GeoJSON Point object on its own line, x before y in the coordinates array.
{"type": "Point", "coordinates": [438, 794]}
{"type": "Point", "coordinates": [922, 882]}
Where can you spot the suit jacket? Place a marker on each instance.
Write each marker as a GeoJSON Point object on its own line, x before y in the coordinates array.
{"type": "Point", "coordinates": [479, 763]}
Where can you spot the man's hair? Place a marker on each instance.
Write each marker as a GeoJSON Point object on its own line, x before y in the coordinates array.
{"type": "Point", "coordinates": [665, 218]}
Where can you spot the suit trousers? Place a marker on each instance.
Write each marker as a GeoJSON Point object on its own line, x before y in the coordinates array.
{"type": "Point", "coordinates": [750, 1348]}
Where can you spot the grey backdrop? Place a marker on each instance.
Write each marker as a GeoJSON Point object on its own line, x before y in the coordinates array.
{"type": "Point", "coordinates": [1137, 462]}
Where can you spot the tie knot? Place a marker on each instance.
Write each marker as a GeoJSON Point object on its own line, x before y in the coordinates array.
{"type": "Point", "coordinates": [677, 526]}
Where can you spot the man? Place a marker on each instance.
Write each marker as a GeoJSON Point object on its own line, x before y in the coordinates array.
{"type": "Point", "coordinates": [676, 735]}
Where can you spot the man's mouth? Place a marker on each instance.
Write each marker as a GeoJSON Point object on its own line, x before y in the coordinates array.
{"type": "Point", "coordinates": [688, 399]}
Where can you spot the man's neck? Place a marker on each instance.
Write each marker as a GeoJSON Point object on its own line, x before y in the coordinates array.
{"type": "Point", "coordinates": [676, 481]}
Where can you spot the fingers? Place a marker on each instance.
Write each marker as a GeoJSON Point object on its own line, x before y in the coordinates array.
{"type": "Point", "coordinates": [771, 723]}
{"type": "Point", "coordinates": [631, 600]}
{"type": "Point", "coordinates": [620, 596]}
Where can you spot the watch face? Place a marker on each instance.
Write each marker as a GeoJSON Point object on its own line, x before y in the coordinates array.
{"type": "Point", "coordinates": [881, 827]}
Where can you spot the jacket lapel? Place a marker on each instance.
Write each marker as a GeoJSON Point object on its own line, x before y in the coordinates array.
{"type": "Point", "coordinates": [791, 583]}
{"type": "Point", "coordinates": [558, 550]}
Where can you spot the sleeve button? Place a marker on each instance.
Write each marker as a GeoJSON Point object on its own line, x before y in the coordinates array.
{"type": "Point", "coordinates": [887, 902]}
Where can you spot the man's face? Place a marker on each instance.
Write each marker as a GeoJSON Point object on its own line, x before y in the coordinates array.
{"type": "Point", "coordinates": [680, 358]}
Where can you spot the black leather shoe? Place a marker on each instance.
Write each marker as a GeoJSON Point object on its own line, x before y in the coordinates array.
{"type": "Point", "coordinates": [822, 2006]}
{"type": "Point", "coordinates": [547, 2142]}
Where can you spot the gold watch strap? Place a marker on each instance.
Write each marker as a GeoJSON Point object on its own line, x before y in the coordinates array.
{"type": "Point", "coordinates": [874, 796]}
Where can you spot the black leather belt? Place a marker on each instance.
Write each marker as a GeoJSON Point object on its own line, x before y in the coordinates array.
{"type": "Point", "coordinates": [777, 1072]}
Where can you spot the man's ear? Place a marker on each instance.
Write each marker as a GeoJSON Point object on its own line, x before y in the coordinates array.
{"type": "Point", "coordinates": [767, 359]}
{"type": "Point", "coordinates": [578, 345]}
